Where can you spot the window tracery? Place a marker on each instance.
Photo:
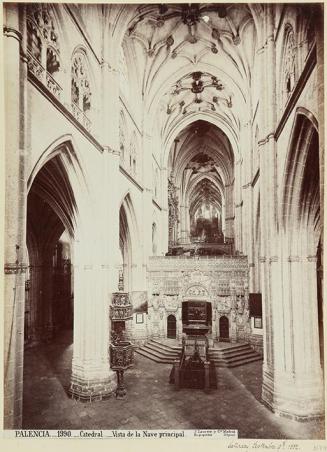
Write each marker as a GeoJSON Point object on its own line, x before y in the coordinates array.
{"type": "Point", "coordinates": [43, 49]}
{"type": "Point", "coordinates": [289, 63]}
{"type": "Point", "coordinates": [80, 84]}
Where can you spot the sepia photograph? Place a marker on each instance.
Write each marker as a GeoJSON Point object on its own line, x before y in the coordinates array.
{"type": "Point", "coordinates": [163, 219]}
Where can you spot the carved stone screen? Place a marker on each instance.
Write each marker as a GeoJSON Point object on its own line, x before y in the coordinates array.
{"type": "Point", "coordinates": [220, 281]}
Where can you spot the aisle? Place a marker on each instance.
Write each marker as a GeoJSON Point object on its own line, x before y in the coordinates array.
{"type": "Point", "coordinates": [151, 402]}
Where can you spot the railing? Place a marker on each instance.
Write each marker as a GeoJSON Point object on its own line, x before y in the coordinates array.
{"type": "Point", "coordinates": [35, 67]}
{"type": "Point", "coordinates": [80, 116]}
{"type": "Point", "coordinates": [53, 86]}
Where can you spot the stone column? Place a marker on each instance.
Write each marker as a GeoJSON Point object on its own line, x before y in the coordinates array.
{"type": "Point", "coordinates": [298, 379]}
{"type": "Point", "coordinates": [247, 209]}
{"type": "Point", "coordinates": [15, 79]}
{"type": "Point", "coordinates": [230, 214]}
{"type": "Point", "coordinates": [96, 257]}
{"type": "Point", "coordinates": [164, 230]}
{"type": "Point", "coordinates": [183, 224]}
{"type": "Point", "coordinates": [147, 206]}
{"type": "Point", "coordinates": [95, 279]}
{"type": "Point", "coordinates": [92, 379]}
{"type": "Point", "coordinates": [292, 380]}
{"type": "Point", "coordinates": [267, 203]}
{"type": "Point", "coordinates": [187, 223]}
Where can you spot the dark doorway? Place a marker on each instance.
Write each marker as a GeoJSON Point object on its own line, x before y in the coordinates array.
{"type": "Point", "coordinates": [50, 230]}
{"type": "Point", "coordinates": [171, 327]}
{"type": "Point", "coordinates": [224, 328]}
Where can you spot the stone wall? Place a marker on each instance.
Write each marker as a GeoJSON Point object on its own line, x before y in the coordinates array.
{"type": "Point", "coordinates": [256, 342]}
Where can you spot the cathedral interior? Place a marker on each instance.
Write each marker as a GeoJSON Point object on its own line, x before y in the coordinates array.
{"type": "Point", "coordinates": [164, 193]}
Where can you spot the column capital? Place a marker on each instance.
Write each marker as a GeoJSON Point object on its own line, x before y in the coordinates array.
{"type": "Point", "coordinates": [293, 259]}
{"type": "Point", "coordinates": [11, 268]}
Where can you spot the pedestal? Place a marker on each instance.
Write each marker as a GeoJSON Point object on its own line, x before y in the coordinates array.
{"type": "Point", "coordinates": [98, 384]}
{"type": "Point", "coordinates": [121, 390]}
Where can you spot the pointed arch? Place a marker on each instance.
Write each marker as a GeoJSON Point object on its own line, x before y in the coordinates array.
{"type": "Point", "coordinates": [129, 238]}
{"type": "Point", "coordinates": [299, 190]}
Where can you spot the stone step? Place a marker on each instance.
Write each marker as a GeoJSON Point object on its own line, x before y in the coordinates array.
{"type": "Point", "coordinates": [159, 351]}
{"type": "Point", "coordinates": [245, 361]}
{"type": "Point", "coordinates": [232, 348]}
{"type": "Point", "coordinates": [233, 356]}
{"type": "Point", "coordinates": [154, 357]}
{"type": "Point", "coordinates": [165, 346]}
{"type": "Point", "coordinates": [236, 361]}
{"type": "Point", "coordinates": [230, 354]}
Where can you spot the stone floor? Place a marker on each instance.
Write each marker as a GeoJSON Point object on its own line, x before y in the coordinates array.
{"type": "Point", "coordinates": [151, 402]}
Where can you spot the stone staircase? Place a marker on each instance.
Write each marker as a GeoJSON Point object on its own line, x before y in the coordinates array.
{"type": "Point", "coordinates": [232, 356]}
{"type": "Point", "coordinates": [160, 352]}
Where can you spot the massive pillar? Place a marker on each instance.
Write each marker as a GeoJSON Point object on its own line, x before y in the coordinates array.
{"type": "Point", "coordinates": [92, 378]}
{"type": "Point", "coordinates": [15, 79]}
{"type": "Point", "coordinates": [267, 179]}
{"type": "Point", "coordinates": [96, 257]}
{"type": "Point", "coordinates": [268, 182]}
{"type": "Point", "coordinates": [164, 233]}
{"type": "Point", "coordinates": [292, 377]}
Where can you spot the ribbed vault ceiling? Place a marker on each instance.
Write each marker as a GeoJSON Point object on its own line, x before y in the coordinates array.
{"type": "Point", "coordinates": [165, 45]}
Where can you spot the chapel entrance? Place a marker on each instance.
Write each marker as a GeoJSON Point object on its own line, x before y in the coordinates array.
{"type": "Point", "coordinates": [49, 238]}
{"type": "Point", "coordinates": [224, 328]}
{"type": "Point", "coordinates": [171, 327]}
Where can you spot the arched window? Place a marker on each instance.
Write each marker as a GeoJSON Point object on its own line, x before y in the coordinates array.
{"type": "Point", "coordinates": [43, 50]}
{"type": "Point", "coordinates": [289, 61]}
{"type": "Point", "coordinates": [80, 83]}
{"type": "Point", "coordinates": [42, 37]}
